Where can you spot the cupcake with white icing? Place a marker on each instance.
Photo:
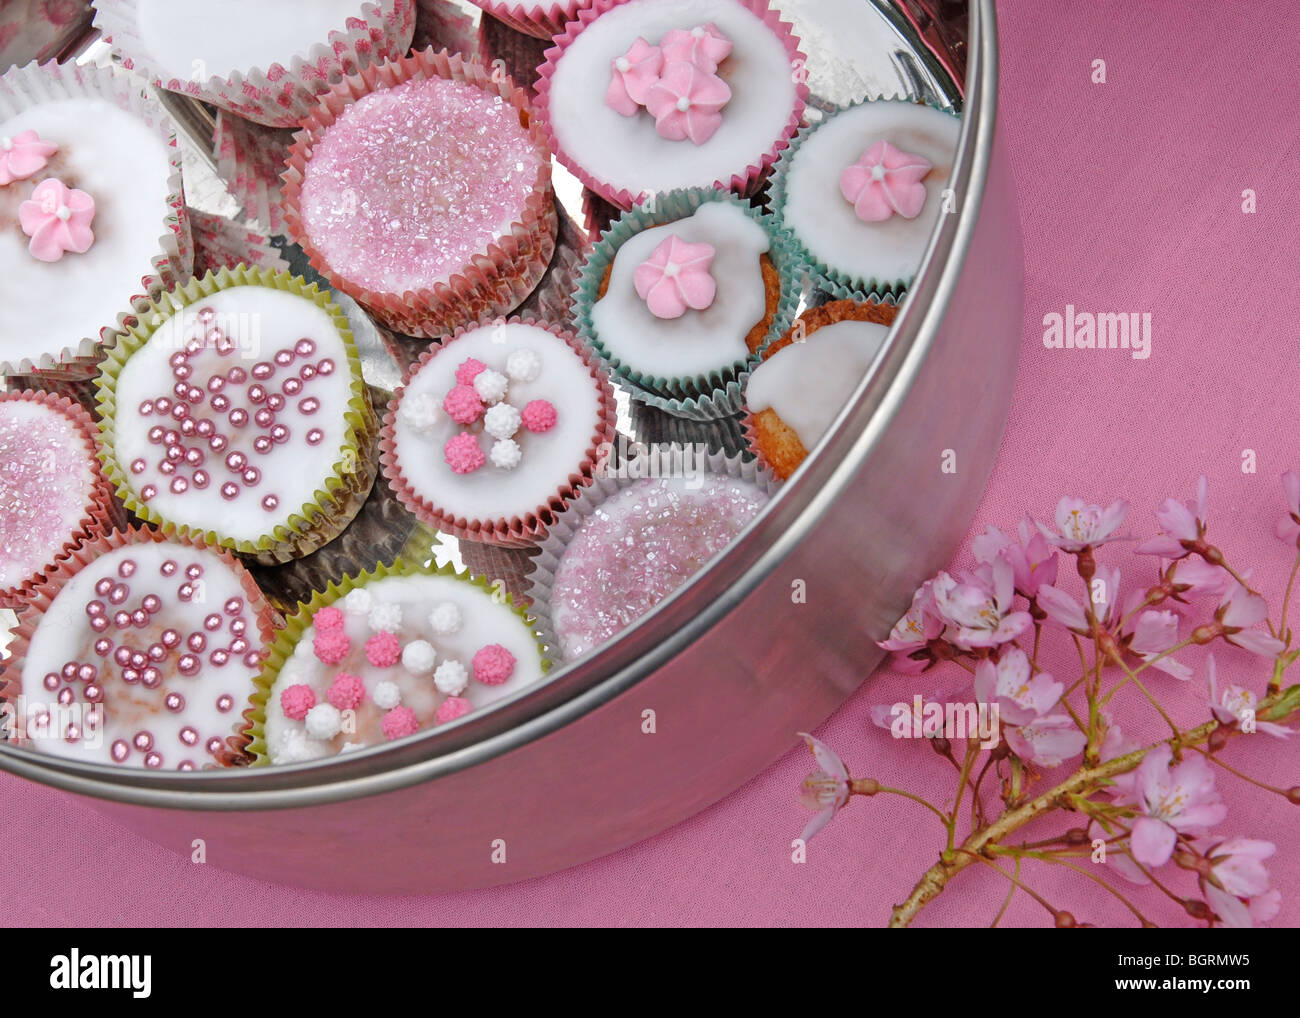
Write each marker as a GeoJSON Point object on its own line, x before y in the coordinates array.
{"type": "Point", "coordinates": [236, 412]}
{"type": "Point", "coordinates": [539, 18]}
{"type": "Point", "coordinates": [385, 655]}
{"type": "Point", "coordinates": [807, 377]}
{"type": "Point", "coordinates": [645, 96]}
{"type": "Point", "coordinates": [92, 214]}
{"type": "Point", "coordinates": [266, 62]}
{"type": "Point", "coordinates": [862, 191]}
{"type": "Point", "coordinates": [680, 295]}
{"type": "Point", "coordinates": [496, 429]}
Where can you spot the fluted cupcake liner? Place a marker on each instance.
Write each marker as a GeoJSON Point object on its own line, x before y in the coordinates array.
{"type": "Point", "coordinates": [301, 620]}
{"type": "Point", "coordinates": [342, 492]}
{"type": "Point", "coordinates": [279, 95]}
{"type": "Point", "coordinates": [746, 181]}
{"type": "Point", "coordinates": [612, 479]}
{"type": "Point", "coordinates": [102, 513]}
{"type": "Point", "coordinates": [84, 555]}
{"type": "Point", "coordinates": [702, 397]}
{"type": "Point", "coordinates": [838, 284]}
{"type": "Point", "coordinates": [541, 19]}
{"type": "Point", "coordinates": [250, 158]}
{"type": "Point", "coordinates": [500, 278]}
{"type": "Point", "coordinates": [515, 531]}
{"type": "Point", "coordinates": [73, 358]}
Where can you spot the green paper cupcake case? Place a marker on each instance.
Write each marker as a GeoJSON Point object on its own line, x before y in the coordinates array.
{"type": "Point", "coordinates": [839, 284]}
{"type": "Point", "coordinates": [282, 649]}
{"type": "Point", "coordinates": [339, 496]}
{"type": "Point", "coordinates": [702, 397]}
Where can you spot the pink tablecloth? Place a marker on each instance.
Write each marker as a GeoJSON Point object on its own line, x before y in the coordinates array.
{"type": "Point", "coordinates": [1131, 200]}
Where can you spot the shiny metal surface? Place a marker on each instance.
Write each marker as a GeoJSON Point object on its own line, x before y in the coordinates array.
{"type": "Point", "coordinates": [732, 666]}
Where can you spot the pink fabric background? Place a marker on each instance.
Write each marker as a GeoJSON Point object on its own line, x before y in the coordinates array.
{"type": "Point", "coordinates": [1130, 201]}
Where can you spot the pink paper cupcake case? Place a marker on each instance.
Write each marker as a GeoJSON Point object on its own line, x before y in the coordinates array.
{"type": "Point", "coordinates": [518, 531]}
{"type": "Point", "coordinates": [745, 183]}
{"type": "Point", "coordinates": [277, 96]}
{"type": "Point", "coordinates": [499, 279]}
{"type": "Point", "coordinates": [541, 21]}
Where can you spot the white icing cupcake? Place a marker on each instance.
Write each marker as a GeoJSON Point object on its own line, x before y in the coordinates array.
{"type": "Point", "coordinates": [496, 429]}
{"type": "Point", "coordinates": [336, 681]}
{"type": "Point", "coordinates": [92, 217]}
{"type": "Point", "coordinates": [643, 96]}
{"type": "Point", "coordinates": [862, 191]}
{"type": "Point", "coordinates": [263, 61]}
{"type": "Point", "coordinates": [237, 413]}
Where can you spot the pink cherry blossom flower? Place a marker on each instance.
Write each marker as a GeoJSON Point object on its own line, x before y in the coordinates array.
{"type": "Point", "coordinates": [825, 789]}
{"type": "Point", "coordinates": [1171, 800]}
{"type": "Point", "coordinates": [1238, 865]}
{"type": "Point", "coordinates": [1068, 613]}
{"type": "Point", "coordinates": [1182, 525]}
{"type": "Point", "coordinates": [676, 277]}
{"type": "Point", "coordinates": [1237, 914]}
{"type": "Point", "coordinates": [1288, 527]}
{"type": "Point", "coordinates": [1236, 703]}
{"type": "Point", "coordinates": [1153, 634]}
{"type": "Point", "coordinates": [1047, 741]}
{"type": "Point", "coordinates": [22, 155]}
{"type": "Point", "coordinates": [704, 46]}
{"type": "Point", "coordinates": [918, 627]}
{"type": "Point", "coordinates": [1114, 743]}
{"type": "Point", "coordinates": [1085, 526]}
{"type": "Point", "coordinates": [980, 611]}
{"type": "Point", "coordinates": [1021, 696]}
{"type": "Point", "coordinates": [1197, 577]}
{"type": "Point", "coordinates": [58, 219]}
{"type": "Point", "coordinates": [1033, 560]}
{"type": "Point", "coordinates": [1117, 857]}
{"type": "Point", "coordinates": [1236, 616]}
{"type": "Point", "coordinates": [687, 102]}
{"type": "Point", "coordinates": [885, 182]}
{"type": "Point", "coordinates": [883, 715]}
{"type": "Point", "coordinates": [631, 76]}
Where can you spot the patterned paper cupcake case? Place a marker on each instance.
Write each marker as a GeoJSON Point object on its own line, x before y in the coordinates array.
{"type": "Point", "coordinates": [21, 88]}
{"type": "Point", "coordinates": [541, 19]}
{"type": "Point", "coordinates": [498, 280]}
{"type": "Point", "coordinates": [298, 623]}
{"type": "Point", "coordinates": [672, 459]}
{"type": "Point", "coordinates": [103, 513]}
{"type": "Point", "coordinates": [745, 182]}
{"type": "Point", "coordinates": [343, 492]}
{"type": "Point", "coordinates": [517, 531]}
{"type": "Point", "coordinates": [704, 397]}
{"type": "Point", "coordinates": [834, 282]}
{"type": "Point", "coordinates": [42, 596]}
{"type": "Point", "coordinates": [277, 96]}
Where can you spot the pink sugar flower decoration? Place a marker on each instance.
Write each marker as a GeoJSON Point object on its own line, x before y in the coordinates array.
{"type": "Point", "coordinates": [826, 789]}
{"type": "Point", "coordinates": [493, 665]}
{"type": "Point", "coordinates": [462, 404]}
{"type": "Point", "coordinates": [539, 416]}
{"type": "Point", "coordinates": [687, 102]}
{"type": "Point", "coordinates": [631, 76]}
{"type": "Point", "coordinates": [885, 181]}
{"type": "Point", "coordinates": [452, 708]}
{"type": "Point", "coordinates": [463, 454]}
{"type": "Point", "coordinates": [1171, 800]}
{"type": "Point", "coordinates": [58, 219]}
{"type": "Point", "coordinates": [399, 722]}
{"type": "Point", "coordinates": [346, 692]}
{"type": "Point", "coordinates": [383, 650]}
{"type": "Point", "coordinates": [704, 46]}
{"type": "Point", "coordinates": [676, 277]}
{"type": "Point", "coordinates": [297, 700]}
{"type": "Point", "coordinates": [22, 155]}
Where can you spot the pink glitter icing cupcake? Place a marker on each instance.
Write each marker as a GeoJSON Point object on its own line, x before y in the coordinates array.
{"type": "Point", "coordinates": [140, 651]}
{"type": "Point", "coordinates": [540, 18]}
{"type": "Point", "coordinates": [422, 188]}
{"type": "Point", "coordinates": [496, 429]}
{"type": "Point", "coordinates": [640, 97]}
{"type": "Point", "coordinates": [52, 493]}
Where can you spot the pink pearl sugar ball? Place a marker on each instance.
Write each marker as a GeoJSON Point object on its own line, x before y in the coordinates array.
{"type": "Point", "coordinates": [398, 722]}
{"type": "Point", "coordinates": [493, 665]}
{"type": "Point", "coordinates": [347, 691]}
{"type": "Point", "coordinates": [452, 708]}
{"type": "Point", "coordinates": [296, 701]}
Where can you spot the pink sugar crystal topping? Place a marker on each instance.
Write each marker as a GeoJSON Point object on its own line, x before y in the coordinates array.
{"type": "Point", "coordinates": [411, 182]}
{"type": "Point", "coordinates": [296, 701]}
{"type": "Point", "coordinates": [383, 650]}
{"type": "Point", "coordinates": [46, 483]}
{"type": "Point", "coordinates": [539, 415]}
{"type": "Point", "coordinates": [398, 722]}
{"type": "Point", "coordinates": [463, 454]}
{"type": "Point", "coordinates": [643, 544]}
{"type": "Point", "coordinates": [452, 708]}
{"type": "Point", "coordinates": [493, 664]}
{"type": "Point", "coordinates": [346, 692]}
{"type": "Point", "coordinates": [331, 646]}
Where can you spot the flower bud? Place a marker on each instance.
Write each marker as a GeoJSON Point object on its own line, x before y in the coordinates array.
{"type": "Point", "coordinates": [1065, 921]}
{"type": "Point", "coordinates": [941, 745]}
{"type": "Point", "coordinates": [1196, 908]}
{"type": "Point", "coordinates": [1076, 836]}
{"type": "Point", "coordinates": [1218, 739]}
{"type": "Point", "coordinates": [1293, 795]}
